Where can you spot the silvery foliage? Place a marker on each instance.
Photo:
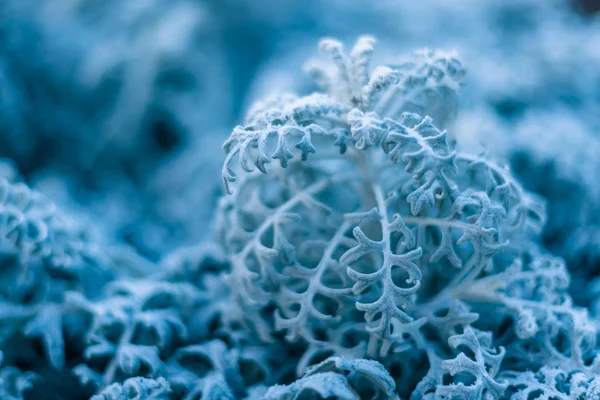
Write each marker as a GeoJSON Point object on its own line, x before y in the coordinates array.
{"type": "Point", "coordinates": [553, 383]}
{"type": "Point", "coordinates": [106, 319]}
{"type": "Point", "coordinates": [43, 254]}
{"type": "Point", "coordinates": [341, 379]}
{"type": "Point", "coordinates": [454, 297]}
{"type": "Point", "coordinates": [14, 383]}
{"type": "Point", "coordinates": [178, 329]}
{"type": "Point", "coordinates": [356, 227]}
{"type": "Point", "coordinates": [136, 389]}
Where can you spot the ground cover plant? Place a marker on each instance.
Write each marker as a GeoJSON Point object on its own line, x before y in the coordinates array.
{"type": "Point", "coordinates": [403, 223]}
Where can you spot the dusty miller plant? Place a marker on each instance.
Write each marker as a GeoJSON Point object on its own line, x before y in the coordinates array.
{"type": "Point", "coordinates": [358, 228]}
